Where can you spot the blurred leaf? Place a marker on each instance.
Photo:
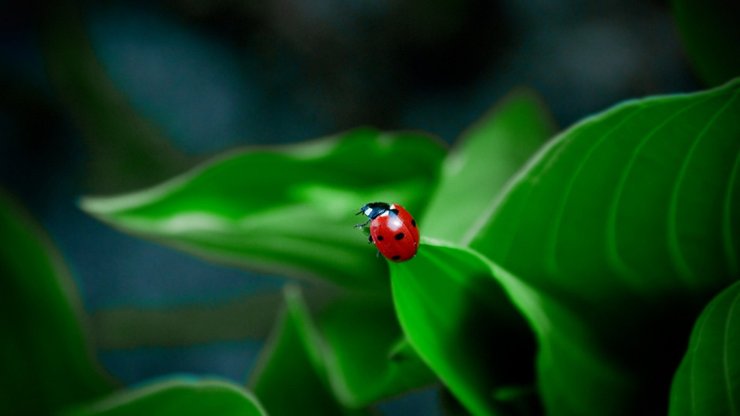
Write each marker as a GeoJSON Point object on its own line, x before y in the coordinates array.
{"type": "Point", "coordinates": [625, 223]}
{"type": "Point", "coordinates": [484, 158]}
{"type": "Point", "coordinates": [175, 397]}
{"type": "Point", "coordinates": [711, 37]}
{"type": "Point", "coordinates": [286, 210]}
{"type": "Point", "coordinates": [44, 354]}
{"type": "Point", "coordinates": [366, 357]}
{"type": "Point", "coordinates": [352, 352]}
{"type": "Point", "coordinates": [708, 379]}
{"type": "Point", "coordinates": [464, 326]}
{"type": "Point", "coordinates": [291, 376]}
{"type": "Point", "coordinates": [126, 150]}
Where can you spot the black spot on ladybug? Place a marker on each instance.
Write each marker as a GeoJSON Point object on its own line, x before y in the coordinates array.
{"type": "Point", "coordinates": [396, 257]}
{"type": "Point", "coordinates": [380, 238]}
{"type": "Point", "coordinates": [395, 211]}
{"type": "Point", "coordinates": [413, 222]}
{"type": "Point", "coordinates": [370, 238]}
{"type": "Point", "coordinates": [399, 236]}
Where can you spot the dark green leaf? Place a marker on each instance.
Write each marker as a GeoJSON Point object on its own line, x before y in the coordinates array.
{"type": "Point", "coordinates": [464, 326]}
{"type": "Point", "coordinates": [291, 376]}
{"type": "Point", "coordinates": [711, 37]}
{"type": "Point", "coordinates": [44, 355]}
{"type": "Point", "coordinates": [367, 358]}
{"type": "Point", "coordinates": [707, 382]}
{"type": "Point", "coordinates": [624, 223]}
{"type": "Point", "coordinates": [484, 158]}
{"type": "Point", "coordinates": [287, 210]}
{"type": "Point", "coordinates": [176, 397]}
{"type": "Point", "coordinates": [126, 150]}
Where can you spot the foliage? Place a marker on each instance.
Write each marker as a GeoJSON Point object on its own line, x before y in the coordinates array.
{"type": "Point", "coordinates": [635, 206]}
{"type": "Point", "coordinates": [47, 365]}
{"type": "Point", "coordinates": [263, 208]}
{"type": "Point", "coordinates": [557, 273]}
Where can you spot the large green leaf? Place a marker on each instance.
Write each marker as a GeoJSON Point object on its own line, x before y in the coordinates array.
{"type": "Point", "coordinates": [465, 327]}
{"type": "Point", "coordinates": [44, 353]}
{"type": "Point", "coordinates": [483, 159]}
{"type": "Point", "coordinates": [286, 210]}
{"type": "Point", "coordinates": [711, 37]}
{"type": "Point", "coordinates": [175, 397]}
{"type": "Point", "coordinates": [626, 222]}
{"type": "Point", "coordinates": [708, 380]}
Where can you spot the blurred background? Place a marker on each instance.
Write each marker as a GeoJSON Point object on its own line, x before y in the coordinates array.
{"type": "Point", "coordinates": [105, 97]}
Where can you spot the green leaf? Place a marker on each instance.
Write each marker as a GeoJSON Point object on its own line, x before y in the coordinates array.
{"type": "Point", "coordinates": [367, 357]}
{"type": "Point", "coordinates": [708, 380]}
{"type": "Point", "coordinates": [465, 327]}
{"type": "Point", "coordinates": [286, 210]}
{"type": "Point", "coordinates": [624, 223]}
{"type": "Point", "coordinates": [175, 397]}
{"type": "Point", "coordinates": [351, 354]}
{"type": "Point", "coordinates": [126, 150]}
{"type": "Point", "coordinates": [46, 360]}
{"type": "Point", "coordinates": [483, 159]}
{"type": "Point", "coordinates": [711, 37]}
{"type": "Point", "coordinates": [290, 378]}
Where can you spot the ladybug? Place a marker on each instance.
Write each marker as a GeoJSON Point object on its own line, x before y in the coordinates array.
{"type": "Point", "coordinates": [392, 229]}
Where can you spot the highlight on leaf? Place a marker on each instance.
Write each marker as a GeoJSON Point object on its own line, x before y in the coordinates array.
{"type": "Point", "coordinates": [284, 210]}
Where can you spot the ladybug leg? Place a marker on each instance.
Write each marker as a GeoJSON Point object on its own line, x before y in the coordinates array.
{"type": "Point", "coordinates": [363, 224]}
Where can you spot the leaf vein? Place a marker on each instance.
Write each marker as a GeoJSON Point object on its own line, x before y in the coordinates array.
{"type": "Point", "coordinates": [679, 260]}
{"type": "Point", "coordinates": [618, 263]}
{"type": "Point", "coordinates": [551, 258]}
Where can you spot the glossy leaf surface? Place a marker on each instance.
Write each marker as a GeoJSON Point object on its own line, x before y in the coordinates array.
{"type": "Point", "coordinates": [286, 210]}
{"type": "Point", "coordinates": [627, 221]}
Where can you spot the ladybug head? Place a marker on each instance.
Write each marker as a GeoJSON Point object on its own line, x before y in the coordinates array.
{"type": "Point", "coordinates": [374, 209]}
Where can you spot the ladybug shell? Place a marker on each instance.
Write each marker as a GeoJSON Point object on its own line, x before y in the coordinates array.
{"type": "Point", "coordinates": [395, 235]}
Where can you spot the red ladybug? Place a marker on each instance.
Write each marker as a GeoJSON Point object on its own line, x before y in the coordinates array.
{"type": "Point", "coordinates": [392, 229]}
